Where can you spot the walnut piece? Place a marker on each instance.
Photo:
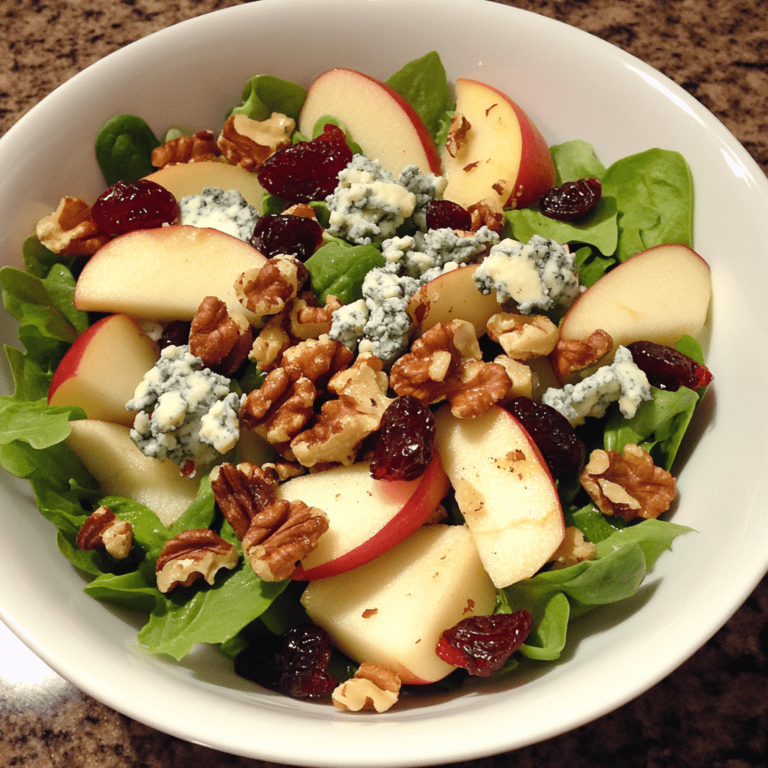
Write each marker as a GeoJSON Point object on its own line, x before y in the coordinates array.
{"type": "Point", "coordinates": [70, 230]}
{"type": "Point", "coordinates": [191, 555]}
{"type": "Point", "coordinates": [104, 530]}
{"type": "Point", "coordinates": [487, 213]}
{"type": "Point", "coordinates": [265, 290]}
{"type": "Point", "coordinates": [627, 484]}
{"type": "Point", "coordinates": [281, 536]}
{"type": "Point", "coordinates": [457, 134]}
{"type": "Point", "coordinates": [220, 339]}
{"type": "Point", "coordinates": [248, 143]}
{"type": "Point", "coordinates": [523, 337]}
{"type": "Point", "coordinates": [520, 376]}
{"type": "Point", "coordinates": [198, 147]}
{"type": "Point", "coordinates": [373, 687]}
{"type": "Point", "coordinates": [573, 549]}
{"type": "Point", "coordinates": [445, 364]}
{"type": "Point", "coordinates": [572, 355]}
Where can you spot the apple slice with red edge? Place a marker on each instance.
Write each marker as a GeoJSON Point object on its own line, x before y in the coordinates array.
{"type": "Point", "coordinates": [393, 610]}
{"type": "Point", "coordinates": [366, 517]}
{"type": "Point", "coordinates": [163, 274]}
{"type": "Point", "coordinates": [385, 126]}
{"type": "Point", "coordinates": [504, 490]}
{"type": "Point", "coordinates": [102, 369]}
{"type": "Point", "coordinates": [501, 156]}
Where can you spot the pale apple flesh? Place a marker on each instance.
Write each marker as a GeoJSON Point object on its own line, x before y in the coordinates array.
{"type": "Point", "coordinates": [378, 119]}
{"type": "Point", "coordinates": [102, 369]}
{"type": "Point", "coordinates": [504, 490]}
{"type": "Point", "coordinates": [393, 610]}
{"type": "Point", "coordinates": [502, 157]}
{"type": "Point", "coordinates": [163, 274]}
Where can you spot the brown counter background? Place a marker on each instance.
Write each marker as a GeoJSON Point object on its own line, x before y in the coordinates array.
{"type": "Point", "coordinates": [710, 712]}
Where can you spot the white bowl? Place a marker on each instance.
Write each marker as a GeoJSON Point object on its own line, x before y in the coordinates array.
{"type": "Point", "coordinates": [573, 86]}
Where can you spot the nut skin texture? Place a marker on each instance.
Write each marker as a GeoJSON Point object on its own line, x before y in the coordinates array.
{"type": "Point", "coordinates": [523, 337]}
{"type": "Point", "coordinates": [104, 530]}
{"type": "Point", "coordinates": [199, 147]}
{"type": "Point", "coordinates": [265, 290]}
{"type": "Point", "coordinates": [628, 484]}
{"type": "Point", "coordinates": [248, 143]}
{"type": "Point", "coordinates": [70, 230]}
{"type": "Point", "coordinates": [217, 338]}
{"type": "Point", "coordinates": [373, 688]}
{"type": "Point", "coordinates": [573, 355]}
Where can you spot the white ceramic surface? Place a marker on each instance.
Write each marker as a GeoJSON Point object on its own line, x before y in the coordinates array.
{"type": "Point", "coordinates": [573, 86]}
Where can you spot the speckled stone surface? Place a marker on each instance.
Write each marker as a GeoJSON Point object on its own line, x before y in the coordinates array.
{"type": "Point", "coordinates": [711, 711]}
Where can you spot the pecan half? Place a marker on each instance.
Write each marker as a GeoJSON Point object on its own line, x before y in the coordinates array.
{"type": "Point", "coordinates": [191, 555]}
{"type": "Point", "coordinates": [265, 290]}
{"type": "Point", "coordinates": [70, 230]}
{"type": "Point", "coordinates": [220, 339]}
{"type": "Point", "coordinates": [248, 143]}
{"type": "Point", "coordinates": [243, 491]}
{"type": "Point", "coordinates": [281, 536]}
{"type": "Point", "coordinates": [198, 147]}
{"type": "Point", "coordinates": [104, 530]}
{"type": "Point", "coordinates": [572, 355]}
{"type": "Point", "coordinates": [628, 484]}
{"type": "Point", "coordinates": [373, 687]}
{"type": "Point", "coordinates": [523, 337]}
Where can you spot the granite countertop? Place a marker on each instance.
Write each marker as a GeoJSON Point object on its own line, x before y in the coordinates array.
{"type": "Point", "coordinates": [709, 712]}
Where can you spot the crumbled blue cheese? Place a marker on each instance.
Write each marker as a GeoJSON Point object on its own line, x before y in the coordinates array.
{"type": "Point", "coordinates": [185, 412]}
{"type": "Point", "coordinates": [348, 323]}
{"type": "Point", "coordinates": [426, 188]}
{"type": "Point", "coordinates": [369, 204]}
{"type": "Point", "coordinates": [539, 275]}
{"type": "Point", "coordinates": [621, 381]}
{"type": "Point", "coordinates": [228, 212]}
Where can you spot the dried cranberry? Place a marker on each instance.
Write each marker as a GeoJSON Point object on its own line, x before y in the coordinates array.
{"type": "Point", "coordinates": [129, 205]}
{"type": "Point", "coordinates": [175, 334]}
{"type": "Point", "coordinates": [553, 434]}
{"type": "Point", "coordinates": [666, 368]}
{"type": "Point", "coordinates": [309, 170]}
{"type": "Point", "coordinates": [571, 200]}
{"type": "Point", "coordinates": [406, 440]}
{"type": "Point", "coordinates": [297, 236]}
{"type": "Point", "coordinates": [294, 664]}
{"type": "Point", "coordinates": [482, 644]}
{"type": "Point", "coordinates": [443, 214]}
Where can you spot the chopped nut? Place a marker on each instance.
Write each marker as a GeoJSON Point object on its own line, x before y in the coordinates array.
{"type": "Point", "coordinates": [628, 484]}
{"type": "Point", "coordinates": [281, 536]}
{"type": "Point", "coordinates": [285, 469]}
{"type": "Point", "coordinates": [301, 209]}
{"type": "Point", "coordinates": [487, 213]}
{"type": "Point", "coordinates": [373, 687]}
{"type": "Point", "coordinates": [104, 530]}
{"type": "Point", "coordinates": [457, 134]}
{"type": "Point", "coordinates": [220, 339]}
{"type": "Point", "coordinates": [272, 340]}
{"type": "Point", "coordinates": [572, 355]}
{"type": "Point", "coordinates": [70, 230]}
{"type": "Point", "coordinates": [199, 147]}
{"type": "Point", "coordinates": [192, 555]}
{"type": "Point", "coordinates": [470, 385]}
{"type": "Point", "coordinates": [248, 143]}
{"type": "Point", "coordinates": [309, 321]}
{"type": "Point", "coordinates": [520, 376]}
{"type": "Point", "coordinates": [243, 491]}
{"type": "Point", "coordinates": [573, 549]}
{"type": "Point", "coordinates": [521, 336]}
{"type": "Point", "coordinates": [265, 290]}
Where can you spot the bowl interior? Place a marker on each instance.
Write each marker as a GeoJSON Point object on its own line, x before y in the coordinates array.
{"type": "Point", "coordinates": [573, 86]}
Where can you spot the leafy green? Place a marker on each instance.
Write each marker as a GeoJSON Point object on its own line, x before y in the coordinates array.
{"type": "Point", "coordinates": [576, 160]}
{"type": "Point", "coordinates": [265, 94]}
{"type": "Point", "coordinates": [38, 260]}
{"type": "Point", "coordinates": [319, 128]}
{"type": "Point", "coordinates": [124, 148]}
{"type": "Point", "coordinates": [338, 269]}
{"type": "Point", "coordinates": [592, 265]}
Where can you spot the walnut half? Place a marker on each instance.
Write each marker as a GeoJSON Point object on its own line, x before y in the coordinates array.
{"type": "Point", "coordinates": [373, 687]}
{"type": "Point", "coordinates": [70, 230]}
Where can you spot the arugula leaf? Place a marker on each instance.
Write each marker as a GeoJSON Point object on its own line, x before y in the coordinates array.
{"type": "Point", "coordinates": [339, 269]}
{"type": "Point", "coordinates": [265, 94]}
{"type": "Point", "coordinates": [38, 260]}
{"type": "Point", "coordinates": [36, 423]}
{"type": "Point", "coordinates": [30, 381]}
{"type": "Point", "coordinates": [124, 147]}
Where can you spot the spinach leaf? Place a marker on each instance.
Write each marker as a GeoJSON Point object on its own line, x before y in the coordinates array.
{"type": "Point", "coordinates": [265, 94]}
{"type": "Point", "coordinates": [124, 148]}
{"type": "Point", "coordinates": [338, 269]}
{"type": "Point", "coordinates": [576, 160]}
{"type": "Point", "coordinates": [592, 265]}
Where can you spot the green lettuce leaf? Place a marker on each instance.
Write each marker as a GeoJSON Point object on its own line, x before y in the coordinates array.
{"type": "Point", "coordinates": [265, 94]}
{"type": "Point", "coordinates": [339, 269]}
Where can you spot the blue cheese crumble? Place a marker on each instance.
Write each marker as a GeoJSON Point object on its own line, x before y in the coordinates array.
{"type": "Point", "coordinates": [185, 412]}
{"type": "Point", "coordinates": [539, 275]}
{"type": "Point", "coordinates": [369, 204]}
{"type": "Point", "coordinates": [228, 212]}
{"type": "Point", "coordinates": [621, 381]}
{"type": "Point", "coordinates": [425, 187]}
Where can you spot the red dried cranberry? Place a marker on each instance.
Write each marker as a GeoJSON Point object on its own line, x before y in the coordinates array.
{"type": "Point", "coordinates": [294, 664]}
{"type": "Point", "coordinates": [130, 205]}
{"type": "Point", "coordinates": [666, 368]}
{"type": "Point", "coordinates": [482, 644]}
{"type": "Point", "coordinates": [571, 200]}
{"type": "Point", "coordinates": [406, 441]}
{"type": "Point", "coordinates": [442, 214]}
{"type": "Point", "coordinates": [307, 171]}
{"type": "Point", "coordinates": [553, 434]}
{"type": "Point", "coordinates": [297, 236]}
{"type": "Point", "coordinates": [175, 334]}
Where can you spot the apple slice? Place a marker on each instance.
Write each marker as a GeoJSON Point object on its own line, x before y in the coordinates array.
{"type": "Point", "coordinates": [501, 156]}
{"type": "Point", "coordinates": [658, 295]}
{"type": "Point", "coordinates": [393, 610]}
{"type": "Point", "coordinates": [102, 369]}
{"type": "Point", "coordinates": [454, 296]}
{"type": "Point", "coordinates": [185, 179]}
{"type": "Point", "coordinates": [504, 490]}
{"type": "Point", "coordinates": [366, 516]}
{"type": "Point", "coordinates": [163, 274]}
{"type": "Point", "coordinates": [121, 469]}
{"type": "Point", "coordinates": [385, 126]}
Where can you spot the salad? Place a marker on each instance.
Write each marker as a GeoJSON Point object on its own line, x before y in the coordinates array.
{"type": "Point", "coordinates": [374, 365]}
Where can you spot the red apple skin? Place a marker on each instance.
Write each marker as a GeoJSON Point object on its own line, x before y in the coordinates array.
{"type": "Point", "coordinates": [73, 357]}
{"type": "Point", "coordinates": [433, 487]}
